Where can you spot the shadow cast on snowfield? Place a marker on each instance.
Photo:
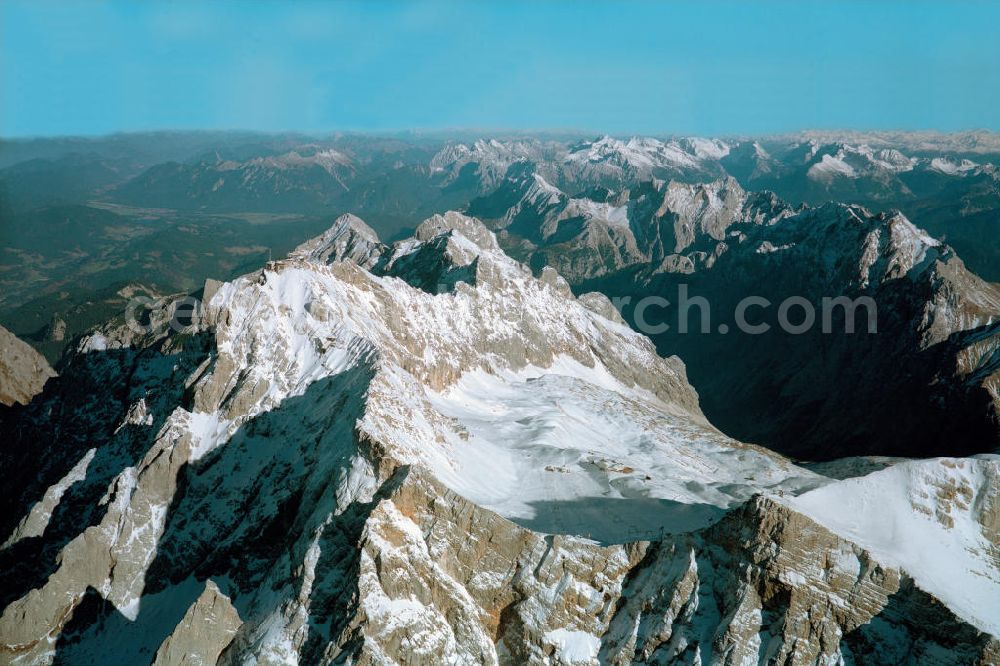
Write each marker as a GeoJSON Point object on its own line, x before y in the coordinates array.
{"type": "Point", "coordinates": [615, 520]}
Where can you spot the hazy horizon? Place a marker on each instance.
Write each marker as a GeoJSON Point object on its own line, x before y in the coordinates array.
{"type": "Point", "coordinates": [499, 132]}
{"type": "Point", "coordinates": [636, 68]}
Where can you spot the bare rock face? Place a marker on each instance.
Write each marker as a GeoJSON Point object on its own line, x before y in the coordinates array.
{"type": "Point", "coordinates": [470, 228]}
{"type": "Point", "coordinates": [302, 479]}
{"type": "Point", "coordinates": [442, 580]}
{"type": "Point", "coordinates": [599, 303]}
{"type": "Point", "coordinates": [707, 210]}
{"type": "Point", "coordinates": [348, 239]}
{"type": "Point", "coordinates": [23, 371]}
{"type": "Point", "coordinates": [207, 628]}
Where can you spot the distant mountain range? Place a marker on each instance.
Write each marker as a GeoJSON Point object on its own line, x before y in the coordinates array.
{"type": "Point", "coordinates": [945, 183]}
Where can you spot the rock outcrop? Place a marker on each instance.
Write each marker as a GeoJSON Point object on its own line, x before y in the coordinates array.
{"type": "Point", "coordinates": [23, 371]}
{"type": "Point", "coordinates": [348, 239]}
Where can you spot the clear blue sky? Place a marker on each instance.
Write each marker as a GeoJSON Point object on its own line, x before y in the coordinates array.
{"type": "Point", "coordinates": [639, 67]}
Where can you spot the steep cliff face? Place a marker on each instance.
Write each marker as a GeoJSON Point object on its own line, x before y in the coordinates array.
{"type": "Point", "coordinates": [442, 579]}
{"type": "Point", "coordinates": [924, 344]}
{"type": "Point", "coordinates": [23, 371]}
{"type": "Point", "coordinates": [440, 459]}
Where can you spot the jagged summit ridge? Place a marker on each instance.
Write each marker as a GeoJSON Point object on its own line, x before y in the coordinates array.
{"type": "Point", "coordinates": [312, 481]}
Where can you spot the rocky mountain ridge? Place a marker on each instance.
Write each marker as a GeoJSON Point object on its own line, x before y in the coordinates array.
{"type": "Point", "coordinates": [307, 472]}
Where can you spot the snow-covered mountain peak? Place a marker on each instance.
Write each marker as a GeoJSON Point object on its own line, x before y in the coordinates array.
{"type": "Point", "coordinates": [298, 322]}
{"type": "Point", "coordinates": [612, 161]}
{"type": "Point", "coordinates": [707, 149]}
{"type": "Point", "coordinates": [328, 159]}
{"type": "Point", "coordinates": [907, 241]}
{"type": "Point", "coordinates": [715, 188]}
{"type": "Point", "coordinates": [951, 166]}
{"type": "Point", "coordinates": [543, 192]}
{"type": "Point", "coordinates": [855, 161]}
{"type": "Point", "coordinates": [553, 368]}
{"type": "Point", "coordinates": [492, 158]}
{"type": "Point", "coordinates": [688, 200]}
{"type": "Point", "coordinates": [708, 210]}
{"type": "Point", "coordinates": [861, 247]}
{"type": "Point", "coordinates": [639, 153]}
{"type": "Point", "coordinates": [446, 251]}
{"type": "Point", "coordinates": [893, 159]}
